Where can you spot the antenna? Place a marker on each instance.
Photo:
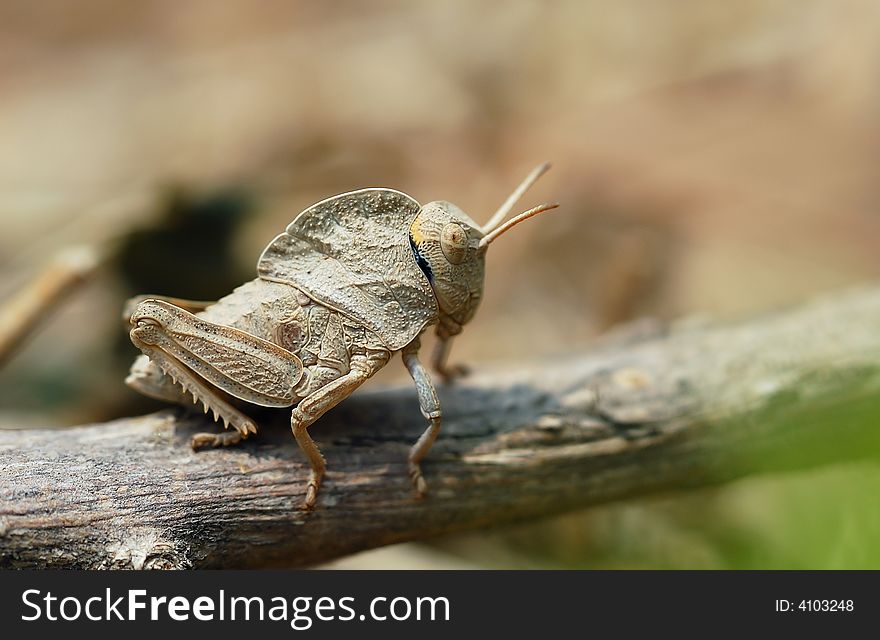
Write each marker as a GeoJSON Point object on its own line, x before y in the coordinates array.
{"type": "Point", "coordinates": [505, 208]}
{"type": "Point", "coordinates": [541, 208]}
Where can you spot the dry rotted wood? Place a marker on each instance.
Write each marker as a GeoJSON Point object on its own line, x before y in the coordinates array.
{"type": "Point", "coordinates": [688, 407]}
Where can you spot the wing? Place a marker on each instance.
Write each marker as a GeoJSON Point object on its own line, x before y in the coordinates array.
{"type": "Point", "coordinates": [352, 253]}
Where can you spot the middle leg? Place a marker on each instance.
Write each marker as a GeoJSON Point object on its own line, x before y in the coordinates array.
{"type": "Point", "coordinates": [317, 404]}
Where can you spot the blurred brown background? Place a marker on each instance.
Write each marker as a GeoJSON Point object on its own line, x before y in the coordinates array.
{"type": "Point", "coordinates": [711, 158]}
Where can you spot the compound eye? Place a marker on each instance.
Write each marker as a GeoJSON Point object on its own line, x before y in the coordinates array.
{"type": "Point", "coordinates": [454, 242]}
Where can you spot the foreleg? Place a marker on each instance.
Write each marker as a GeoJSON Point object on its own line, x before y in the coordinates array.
{"type": "Point", "coordinates": [429, 403]}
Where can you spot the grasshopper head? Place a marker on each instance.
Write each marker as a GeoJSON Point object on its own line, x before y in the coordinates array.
{"type": "Point", "coordinates": [450, 248]}
{"type": "Point", "coordinates": [446, 244]}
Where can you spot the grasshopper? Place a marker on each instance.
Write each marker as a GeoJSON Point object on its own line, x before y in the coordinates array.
{"type": "Point", "coordinates": [352, 280]}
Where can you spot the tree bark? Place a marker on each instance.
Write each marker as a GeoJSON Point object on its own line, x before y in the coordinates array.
{"type": "Point", "coordinates": [644, 411]}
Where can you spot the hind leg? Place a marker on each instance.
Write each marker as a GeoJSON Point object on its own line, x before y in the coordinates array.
{"type": "Point", "coordinates": [148, 379]}
{"type": "Point", "coordinates": [211, 401]}
{"type": "Point", "coordinates": [222, 439]}
{"type": "Point", "coordinates": [209, 361]}
{"type": "Point", "coordinates": [193, 306]}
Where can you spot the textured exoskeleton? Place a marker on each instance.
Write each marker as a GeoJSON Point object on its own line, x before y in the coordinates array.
{"type": "Point", "coordinates": [353, 279]}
